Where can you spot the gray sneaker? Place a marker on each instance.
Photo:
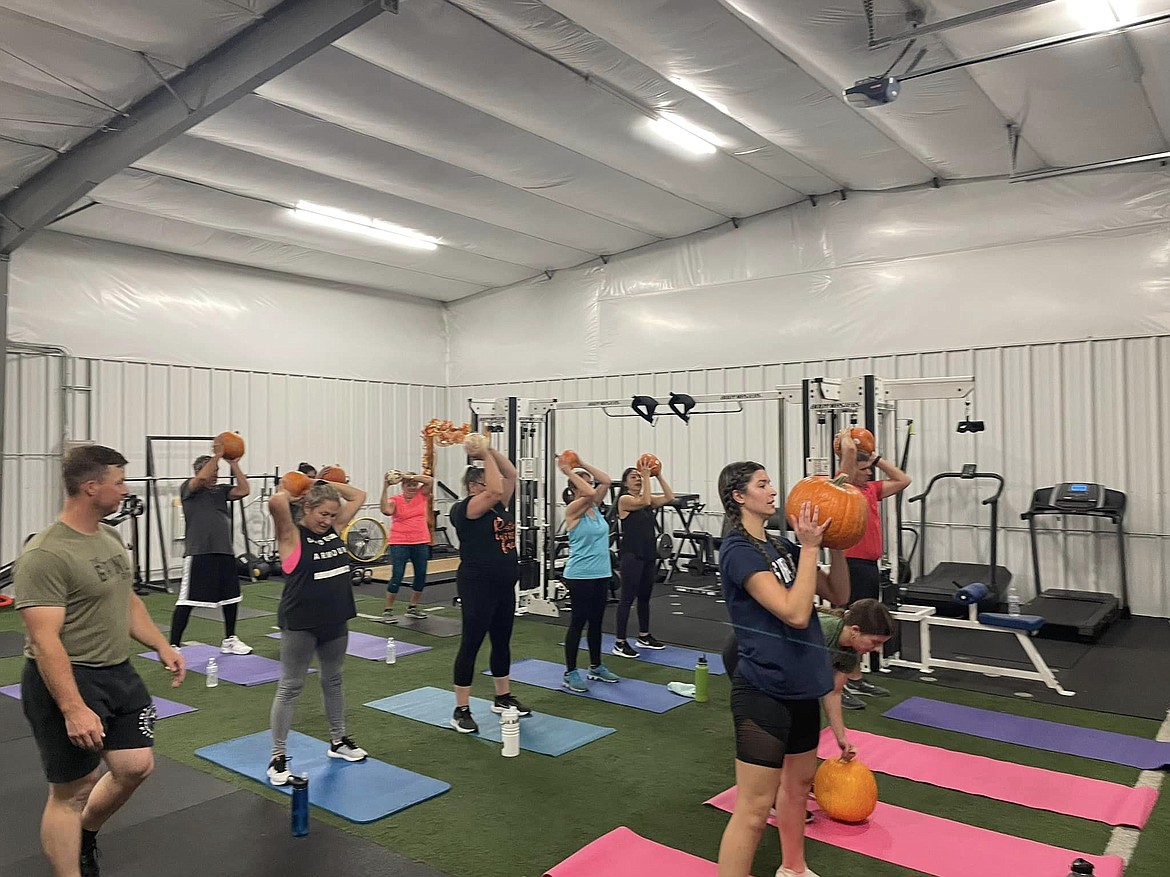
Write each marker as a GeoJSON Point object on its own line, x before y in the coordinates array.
{"type": "Point", "coordinates": [851, 701]}
{"type": "Point", "coordinates": [388, 617]}
{"type": "Point", "coordinates": [415, 612]}
{"type": "Point", "coordinates": [868, 689]}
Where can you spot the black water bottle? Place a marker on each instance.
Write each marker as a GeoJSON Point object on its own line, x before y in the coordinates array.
{"type": "Point", "coordinates": [1079, 868]}
{"type": "Point", "coordinates": [300, 805]}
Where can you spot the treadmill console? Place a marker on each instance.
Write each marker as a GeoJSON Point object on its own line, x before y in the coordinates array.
{"type": "Point", "coordinates": [1077, 496]}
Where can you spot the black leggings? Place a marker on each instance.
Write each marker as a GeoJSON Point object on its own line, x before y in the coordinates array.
{"type": "Point", "coordinates": [864, 580]}
{"type": "Point", "coordinates": [183, 614]}
{"type": "Point", "coordinates": [489, 609]}
{"type": "Point", "coordinates": [588, 597]}
{"type": "Point", "coordinates": [638, 577]}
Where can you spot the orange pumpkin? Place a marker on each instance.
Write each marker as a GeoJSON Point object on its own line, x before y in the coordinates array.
{"type": "Point", "coordinates": [837, 499]}
{"type": "Point", "coordinates": [845, 790]}
{"type": "Point", "coordinates": [233, 445]}
{"type": "Point", "coordinates": [295, 483]}
{"type": "Point", "coordinates": [333, 473]}
{"type": "Point", "coordinates": [861, 436]}
{"type": "Point", "coordinates": [570, 459]}
{"type": "Point", "coordinates": [649, 461]}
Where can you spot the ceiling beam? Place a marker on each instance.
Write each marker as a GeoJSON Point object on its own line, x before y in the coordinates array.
{"type": "Point", "coordinates": [958, 21]}
{"type": "Point", "coordinates": [286, 36]}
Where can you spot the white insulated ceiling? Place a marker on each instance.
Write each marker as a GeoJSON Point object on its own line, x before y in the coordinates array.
{"type": "Point", "coordinates": [516, 133]}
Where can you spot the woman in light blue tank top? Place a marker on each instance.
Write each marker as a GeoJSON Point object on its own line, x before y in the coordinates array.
{"type": "Point", "coordinates": [588, 571]}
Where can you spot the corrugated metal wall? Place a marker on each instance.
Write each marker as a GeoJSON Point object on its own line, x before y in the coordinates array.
{"type": "Point", "coordinates": [1085, 410]}
{"type": "Point", "coordinates": [366, 426]}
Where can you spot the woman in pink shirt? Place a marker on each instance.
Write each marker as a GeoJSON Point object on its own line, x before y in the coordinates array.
{"type": "Point", "coordinates": [410, 539]}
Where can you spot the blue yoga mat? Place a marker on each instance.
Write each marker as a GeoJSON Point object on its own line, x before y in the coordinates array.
{"type": "Point", "coordinates": [628, 692]}
{"type": "Point", "coordinates": [671, 656]}
{"type": "Point", "coordinates": [361, 791]}
{"type": "Point", "coordinates": [540, 732]}
{"type": "Point", "coordinates": [1036, 733]}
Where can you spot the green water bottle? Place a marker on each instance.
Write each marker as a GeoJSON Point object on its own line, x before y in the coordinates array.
{"type": "Point", "coordinates": [701, 674]}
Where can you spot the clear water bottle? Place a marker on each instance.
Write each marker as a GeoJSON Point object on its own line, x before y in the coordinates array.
{"type": "Point", "coordinates": [212, 673]}
{"type": "Point", "coordinates": [510, 732]}
{"type": "Point", "coordinates": [1013, 600]}
{"type": "Point", "coordinates": [391, 651]}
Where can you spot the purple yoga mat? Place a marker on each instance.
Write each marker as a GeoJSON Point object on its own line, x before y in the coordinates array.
{"type": "Point", "coordinates": [240, 669]}
{"type": "Point", "coordinates": [1036, 733]}
{"type": "Point", "coordinates": [373, 648]}
{"type": "Point", "coordinates": [165, 708]}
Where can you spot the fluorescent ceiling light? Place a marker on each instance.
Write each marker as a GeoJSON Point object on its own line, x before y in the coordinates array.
{"type": "Point", "coordinates": [354, 223]}
{"type": "Point", "coordinates": [1092, 14]}
{"type": "Point", "coordinates": [682, 133]}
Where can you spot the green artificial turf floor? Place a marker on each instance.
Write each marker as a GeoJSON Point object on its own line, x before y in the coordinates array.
{"type": "Point", "coordinates": [518, 817]}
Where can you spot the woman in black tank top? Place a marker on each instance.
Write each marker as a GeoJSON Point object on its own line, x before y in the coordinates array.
{"type": "Point", "coordinates": [638, 554]}
{"type": "Point", "coordinates": [315, 607]}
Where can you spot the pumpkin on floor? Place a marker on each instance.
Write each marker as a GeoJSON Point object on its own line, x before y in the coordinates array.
{"type": "Point", "coordinates": [845, 790]}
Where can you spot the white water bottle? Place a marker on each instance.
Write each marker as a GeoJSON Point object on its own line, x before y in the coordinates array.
{"type": "Point", "coordinates": [212, 673]}
{"type": "Point", "coordinates": [510, 732]}
{"type": "Point", "coordinates": [391, 651]}
{"type": "Point", "coordinates": [1013, 600]}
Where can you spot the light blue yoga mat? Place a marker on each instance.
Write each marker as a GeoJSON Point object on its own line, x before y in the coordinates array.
{"type": "Point", "coordinates": [629, 692]}
{"type": "Point", "coordinates": [540, 732]}
{"type": "Point", "coordinates": [671, 656]}
{"type": "Point", "coordinates": [360, 791]}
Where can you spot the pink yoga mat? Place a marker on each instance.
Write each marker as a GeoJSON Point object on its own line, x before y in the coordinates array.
{"type": "Point", "coordinates": [1111, 803]}
{"type": "Point", "coordinates": [939, 846]}
{"type": "Point", "coordinates": [622, 853]}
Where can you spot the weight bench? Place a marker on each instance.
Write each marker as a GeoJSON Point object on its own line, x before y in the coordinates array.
{"type": "Point", "coordinates": [1022, 627]}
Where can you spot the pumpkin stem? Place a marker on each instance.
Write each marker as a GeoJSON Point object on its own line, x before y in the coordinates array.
{"type": "Point", "coordinates": [841, 479]}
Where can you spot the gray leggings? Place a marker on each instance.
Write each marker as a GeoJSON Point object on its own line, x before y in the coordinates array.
{"type": "Point", "coordinates": [296, 653]}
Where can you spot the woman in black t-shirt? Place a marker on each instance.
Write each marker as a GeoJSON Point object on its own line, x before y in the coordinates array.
{"type": "Point", "coordinates": [638, 554]}
{"type": "Point", "coordinates": [315, 607]}
{"type": "Point", "coordinates": [486, 581]}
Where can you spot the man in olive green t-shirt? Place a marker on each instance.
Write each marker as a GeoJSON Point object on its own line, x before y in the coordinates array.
{"type": "Point", "coordinates": [86, 704]}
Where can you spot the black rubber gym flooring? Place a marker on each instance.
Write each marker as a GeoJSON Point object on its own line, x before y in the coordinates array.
{"type": "Point", "coordinates": [1105, 675]}
{"type": "Point", "coordinates": [182, 822]}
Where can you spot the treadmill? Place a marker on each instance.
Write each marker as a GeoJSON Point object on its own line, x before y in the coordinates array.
{"type": "Point", "coordinates": [938, 588]}
{"type": "Point", "coordinates": [1085, 613]}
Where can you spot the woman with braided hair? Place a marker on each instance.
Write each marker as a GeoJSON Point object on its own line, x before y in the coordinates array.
{"type": "Point", "coordinates": [782, 670]}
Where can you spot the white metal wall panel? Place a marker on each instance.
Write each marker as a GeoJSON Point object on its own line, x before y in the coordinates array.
{"type": "Point", "coordinates": [366, 426]}
{"type": "Point", "coordinates": [1080, 410]}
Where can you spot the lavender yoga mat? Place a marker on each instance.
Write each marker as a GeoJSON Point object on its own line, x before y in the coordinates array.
{"type": "Point", "coordinates": [373, 648]}
{"type": "Point", "coordinates": [1036, 733]}
{"type": "Point", "coordinates": [163, 708]}
{"type": "Point", "coordinates": [1101, 801]}
{"type": "Point", "coordinates": [938, 846]}
{"type": "Point", "coordinates": [240, 669]}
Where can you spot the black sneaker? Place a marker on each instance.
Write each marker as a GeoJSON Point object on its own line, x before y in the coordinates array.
{"type": "Point", "coordinates": [504, 701]}
{"type": "Point", "coordinates": [89, 862]}
{"type": "Point", "coordinates": [649, 642]}
{"type": "Point", "coordinates": [808, 817]}
{"type": "Point", "coordinates": [861, 686]}
{"type": "Point", "coordinates": [462, 721]}
{"type": "Point", "coordinates": [623, 649]}
{"type": "Point", "coordinates": [278, 772]}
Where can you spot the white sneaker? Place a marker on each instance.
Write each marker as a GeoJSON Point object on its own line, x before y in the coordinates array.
{"type": "Point", "coordinates": [347, 749]}
{"type": "Point", "coordinates": [278, 772]}
{"type": "Point", "coordinates": [786, 872]}
{"type": "Point", "coordinates": [233, 645]}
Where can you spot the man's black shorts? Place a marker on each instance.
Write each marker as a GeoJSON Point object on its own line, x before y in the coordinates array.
{"type": "Point", "coordinates": [119, 697]}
